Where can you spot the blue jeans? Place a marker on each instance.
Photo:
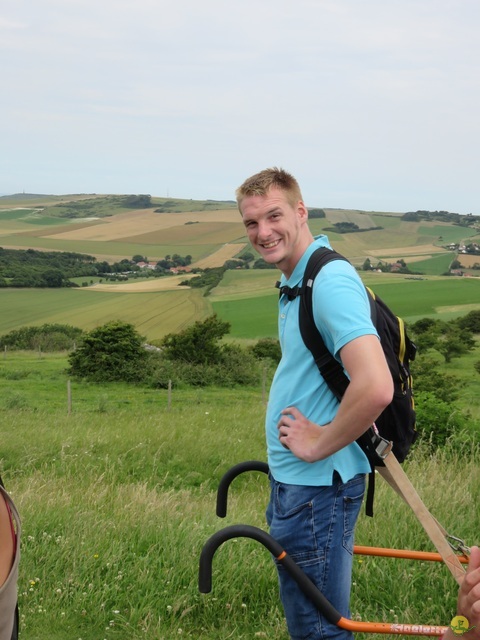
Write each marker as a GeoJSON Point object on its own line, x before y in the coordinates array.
{"type": "Point", "coordinates": [315, 526]}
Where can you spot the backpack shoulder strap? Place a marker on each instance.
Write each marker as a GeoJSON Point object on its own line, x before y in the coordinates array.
{"type": "Point", "coordinates": [330, 369]}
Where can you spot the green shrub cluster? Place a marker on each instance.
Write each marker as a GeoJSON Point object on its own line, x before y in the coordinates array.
{"type": "Point", "coordinates": [198, 357]}
{"type": "Point", "coordinates": [112, 352]}
{"type": "Point", "coordinates": [47, 337]}
{"type": "Point", "coordinates": [195, 357]}
{"type": "Point", "coordinates": [209, 279]}
{"type": "Point", "coordinates": [236, 366]}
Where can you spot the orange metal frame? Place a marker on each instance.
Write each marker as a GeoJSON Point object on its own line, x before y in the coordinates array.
{"type": "Point", "coordinates": [283, 557]}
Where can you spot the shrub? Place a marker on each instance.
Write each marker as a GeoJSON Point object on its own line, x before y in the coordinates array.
{"type": "Point", "coordinates": [47, 337]}
{"type": "Point", "coordinates": [112, 352]}
{"type": "Point", "coordinates": [267, 348]}
{"type": "Point", "coordinates": [198, 344]}
{"type": "Point", "coordinates": [437, 420]}
{"type": "Point", "coordinates": [235, 367]}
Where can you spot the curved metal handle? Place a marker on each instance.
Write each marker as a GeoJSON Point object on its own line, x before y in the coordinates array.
{"type": "Point", "coordinates": [247, 531]}
{"type": "Point", "coordinates": [305, 584]}
{"type": "Point", "coordinates": [229, 476]}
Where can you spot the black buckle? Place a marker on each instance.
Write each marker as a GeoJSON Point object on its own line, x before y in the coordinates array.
{"type": "Point", "coordinates": [290, 292]}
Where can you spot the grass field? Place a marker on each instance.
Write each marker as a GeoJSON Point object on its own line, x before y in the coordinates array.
{"type": "Point", "coordinates": [118, 495]}
{"type": "Point", "coordinates": [252, 315]}
{"type": "Point", "coordinates": [247, 299]}
{"type": "Point", "coordinates": [154, 314]}
{"type": "Point", "coordinates": [118, 498]}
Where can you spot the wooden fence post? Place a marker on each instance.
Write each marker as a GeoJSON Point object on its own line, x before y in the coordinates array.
{"type": "Point", "coordinates": [264, 385]}
{"type": "Point", "coordinates": [69, 397]}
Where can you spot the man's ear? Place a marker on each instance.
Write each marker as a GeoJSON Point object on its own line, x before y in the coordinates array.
{"type": "Point", "coordinates": [302, 211]}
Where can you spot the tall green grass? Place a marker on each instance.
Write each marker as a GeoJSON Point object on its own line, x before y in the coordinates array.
{"type": "Point", "coordinates": [118, 498]}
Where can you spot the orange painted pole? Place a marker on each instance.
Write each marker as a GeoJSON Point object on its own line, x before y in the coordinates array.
{"type": "Point", "coordinates": [392, 628]}
{"type": "Point", "coordinates": [405, 554]}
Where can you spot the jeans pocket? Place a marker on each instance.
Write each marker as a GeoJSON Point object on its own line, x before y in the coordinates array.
{"type": "Point", "coordinates": [292, 523]}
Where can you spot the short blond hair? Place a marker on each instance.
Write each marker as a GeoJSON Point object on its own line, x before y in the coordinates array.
{"type": "Point", "coordinates": [260, 183]}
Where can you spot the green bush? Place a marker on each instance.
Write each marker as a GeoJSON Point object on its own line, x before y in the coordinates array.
{"type": "Point", "coordinates": [437, 420]}
{"type": "Point", "coordinates": [236, 367]}
{"type": "Point", "coordinates": [197, 344]}
{"type": "Point", "coordinates": [112, 352]}
{"type": "Point", "coordinates": [267, 348]}
{"type": "Point", "coordinates": [47, 337]}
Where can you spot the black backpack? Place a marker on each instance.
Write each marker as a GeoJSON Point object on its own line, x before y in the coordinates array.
{"type": "Point", "coordinates": [396, 424]}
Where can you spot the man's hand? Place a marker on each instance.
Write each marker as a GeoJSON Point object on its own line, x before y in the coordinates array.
{"type": "Point", "coordinates": [468, 604]}
{"type": "Point", "coordinates": [300, 435]}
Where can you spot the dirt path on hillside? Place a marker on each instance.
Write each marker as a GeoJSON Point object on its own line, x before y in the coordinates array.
{"type": "Point", "coordinates": [167, 283]}
{"type": "Point", "coordinates": [406, 251]}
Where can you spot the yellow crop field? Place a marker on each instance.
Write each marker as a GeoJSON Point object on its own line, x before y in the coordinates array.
{"type": "Point", "coordinates": [153, 284]}
{"type": "Point", "coordinates": [133, 223]}
{"type": "Point", "coordinates": [153, 313]}
{"type": "Point", "coordinates": [361, 219]}
{"type": "Point", "coordinates": [216, 259]}
{"type": "Point", "coordinates": [468, 261]}
{"type": "Point", "coordinates": [213, 232]}
{"type": "Point", "coordinates": [418, 250]}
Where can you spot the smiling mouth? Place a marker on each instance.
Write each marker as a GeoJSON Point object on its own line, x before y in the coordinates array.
{"type": "Point", "coordinates": [271, 245]}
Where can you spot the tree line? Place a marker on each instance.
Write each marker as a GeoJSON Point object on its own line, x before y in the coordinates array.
{"type": "Point", "coordinates": [468, 220]}
{"type": "Point", "coordinates": [26, 268]}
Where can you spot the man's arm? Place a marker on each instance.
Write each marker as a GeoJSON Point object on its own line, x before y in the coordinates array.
{"type": "Point", "coordinates": [369, 392]}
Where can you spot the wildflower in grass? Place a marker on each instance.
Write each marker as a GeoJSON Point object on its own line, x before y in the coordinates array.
{"type": "Point", "coordinates": [95, 555]}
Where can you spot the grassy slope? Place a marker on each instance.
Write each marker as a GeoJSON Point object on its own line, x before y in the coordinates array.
{"type": "Point", "coordinates": [153, 314]}
{"type": "Point", "coordinates": [118, 499]}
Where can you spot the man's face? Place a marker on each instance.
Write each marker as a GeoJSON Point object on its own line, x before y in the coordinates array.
{"type": "Point", "coordinates": [276, 229]}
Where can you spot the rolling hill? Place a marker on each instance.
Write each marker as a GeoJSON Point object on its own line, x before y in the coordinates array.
{"type": "Point", "coordinates": [113, 227]}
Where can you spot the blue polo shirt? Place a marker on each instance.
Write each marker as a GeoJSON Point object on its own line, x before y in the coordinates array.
{"type": "Point", "coordinates": [342, 313]}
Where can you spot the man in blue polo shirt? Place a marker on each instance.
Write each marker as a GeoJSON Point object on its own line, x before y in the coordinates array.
{"type": "Point", "coordinates": [317, 469]}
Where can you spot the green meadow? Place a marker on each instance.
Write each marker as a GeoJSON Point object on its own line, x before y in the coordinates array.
{"type": "Point", "coordinates": [117, 500]}
{"type": "Point", "coordinates": [116, 483]}
{"type": "Point", "coordinates": [443, 298]}
{"type": "Point", "coordinates": [246, 299]}
{"type": "Point", "coordinates": [153, 314]}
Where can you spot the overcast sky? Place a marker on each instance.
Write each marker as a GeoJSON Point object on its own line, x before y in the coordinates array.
{"type": "Point", "coordinates": [371, 104]}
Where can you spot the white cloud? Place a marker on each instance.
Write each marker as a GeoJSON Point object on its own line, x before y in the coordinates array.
{"type": "Point", "coordinates": [374, 101]}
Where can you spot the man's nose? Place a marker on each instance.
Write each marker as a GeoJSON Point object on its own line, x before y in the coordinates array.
{"type": "Point", "coordinates": [263, 230]}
